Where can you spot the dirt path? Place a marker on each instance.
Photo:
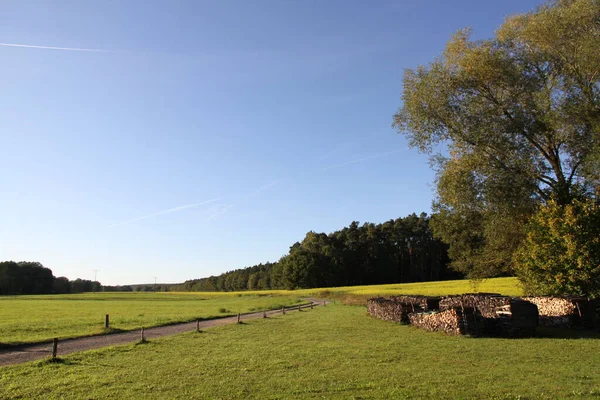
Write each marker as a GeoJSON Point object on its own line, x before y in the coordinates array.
{"type": "Point", "coordinates": [31, 352]}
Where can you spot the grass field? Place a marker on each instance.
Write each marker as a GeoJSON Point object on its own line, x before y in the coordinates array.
{"type": "Point", "coordinates": [506, 286]}
{"type": "Point", "coordinates": [330, 352]}
{"type": "Point", "coordinates": [26, 319]}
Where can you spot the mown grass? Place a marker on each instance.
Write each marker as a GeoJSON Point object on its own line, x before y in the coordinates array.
{"type": "Point", "coordinates": [330, 352]}
{"type": "Point", "coordinates": [27, 319]}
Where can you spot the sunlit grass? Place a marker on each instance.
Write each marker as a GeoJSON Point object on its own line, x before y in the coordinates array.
{"type": "Point", "coordinates": [505, 286]}
{"type": "Point", "coordinates": [35, 318]}
{"type": "Point", "coordinates": [330, 352]}
{"type": "Point", "coordinates": [25, 319]}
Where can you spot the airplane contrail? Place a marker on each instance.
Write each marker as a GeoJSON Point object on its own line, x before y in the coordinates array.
{"type": "Point", "coordinates": [31, 46]}
{"type": "Point", "coordinates": [168, 211]}
{"type": "Point", "coordinates": [263, 188]}
{"type": "Point", "coordinates": [338, 149]}
{"type": "Point", "coordinates": [222, 209]}
{"type": "Point", "coordinates": [359, 160]}
{"type": "Point", "coordinates": [225, 208]}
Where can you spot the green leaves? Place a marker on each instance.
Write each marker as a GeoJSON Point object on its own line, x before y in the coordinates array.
{"type": "Point", "coordinates": [519, 117]}
{"type": "Point", "coordinates": [561, 251]}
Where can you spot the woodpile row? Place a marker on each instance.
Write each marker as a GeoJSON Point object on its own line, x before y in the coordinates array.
{"type": "Point", "coordinates": [424, 302]}
{"type": "Point", "coordinates": [487, 313]}
{"type": "Point", "coordinates": [485, 303]}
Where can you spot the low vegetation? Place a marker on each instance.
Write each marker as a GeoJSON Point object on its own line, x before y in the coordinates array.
{"type": "Point", "coordinates": [75, 315]}
{"type": "Point", "coordinates": [506, 286]}
{"type": "Point", "coordinates": [26, 319]}
{"type": "Point", "coordinates": [330, 352]}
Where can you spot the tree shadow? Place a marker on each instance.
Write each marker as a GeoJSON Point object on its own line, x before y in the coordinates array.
{"type": "Point", "coordinates": [566, 333]}
{"type": "Point", "coordinates": [55, 361]}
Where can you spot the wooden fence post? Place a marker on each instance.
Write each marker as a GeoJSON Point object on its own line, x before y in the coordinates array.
{"type": "Point", "coordinates": [198, 325]}
{"type": "Point", "coordinates": [312, 305]}
{"type": "Point", "coordinates": [283, 310]}
{"type": "Point", "coordinates": [238, 321]}
{"type": "Point", "coordinates": [106, 321]}
{"type": "Point", "coordinates": [54, 347]}
{"type": "Point", "coordinates": [142, 338]}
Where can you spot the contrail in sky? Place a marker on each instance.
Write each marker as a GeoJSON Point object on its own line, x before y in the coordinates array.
{"type": "Point", "coordinates": [338, 149]}
{"type": "Point", "coordinates": [359, 160]}
{"type": "Point", "coordinates": [225, 208]}
{"type": "Point", "coordinates": [263, 188]}
{"type": "Point", "coordinates": [168, 211]}
{"type": "Point", "coordinates": [31, 46]}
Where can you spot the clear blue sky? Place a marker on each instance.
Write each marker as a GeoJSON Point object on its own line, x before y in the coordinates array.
{"type": "Point", "coordinates": [208, 135]}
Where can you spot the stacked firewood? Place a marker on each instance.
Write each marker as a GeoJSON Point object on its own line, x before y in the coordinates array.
{"type": "Point", "coordinates": [389, 310]}
{"type": "Point", "coordinates": [518, 318]}
{"type": "Point", "coordinates": [454, 321]}
{"type": "Point", "coordinates": [424, 302]}
{"type": "Point", "coordinates": [485, 303]}
{"type": "Point", "coordinates": [487, 314]}
{"type": "Point", "coordinates": [555, 311]}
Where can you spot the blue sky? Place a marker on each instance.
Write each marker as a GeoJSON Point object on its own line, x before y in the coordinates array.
{"type": "Point", "coordinates": [205, 136]}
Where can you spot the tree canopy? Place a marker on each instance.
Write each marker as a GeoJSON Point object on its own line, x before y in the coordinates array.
{"type": "Point", "coordinates": [30, 277]}
{"type": "Point", "coordinates": [561, 250]}
{"type": "Point", "coordinates": [517, 119]}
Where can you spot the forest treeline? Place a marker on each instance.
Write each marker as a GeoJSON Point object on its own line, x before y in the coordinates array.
{"type": "Point", "coordinates": [400, 250]}
{"type": "Point", "coordinates": [28, 277]}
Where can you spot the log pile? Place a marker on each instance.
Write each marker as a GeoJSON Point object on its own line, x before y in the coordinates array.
{"type": "Point", "coordinates": [485, 303]}
{"type": "Point", "coordinates": [566, 312]}
{"type": "Point", "coordinates": [423, 302]}
{"type": "Point", "coordinates": [389, 310]}
{"type": "Point", "coordinates": [454, 321]}
{"type": "Point", "coordinates": [487, 313]}
{"type": "Point", "coordinates": [518, 318]}
{"type": "Point", "coordinates": [494, 315]}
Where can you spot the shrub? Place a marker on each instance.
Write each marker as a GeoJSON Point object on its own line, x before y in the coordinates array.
{"type": "Point", "coordinates": [561, 252]}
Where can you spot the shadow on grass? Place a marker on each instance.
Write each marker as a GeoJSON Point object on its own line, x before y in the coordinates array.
{"type": "Point", "coordinates": [109, 331]}
{"type": "Point", "coordinates": [545, 333]}
{"type": "Point", "coordinates": [54, 361]}
{"type": "Point", "coordinates": [566, 333]}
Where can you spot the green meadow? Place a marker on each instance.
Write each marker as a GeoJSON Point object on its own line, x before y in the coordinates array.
{"type": "Point", "coordinates": [505, 286]}
{"type": "Point", "coordinates": [333, 352]}
{"type": "Point", "coordinates": [27, 319]}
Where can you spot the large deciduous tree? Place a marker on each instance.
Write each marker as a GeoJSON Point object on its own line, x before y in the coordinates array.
{"type": "Point", "coordinates": [511, 123]}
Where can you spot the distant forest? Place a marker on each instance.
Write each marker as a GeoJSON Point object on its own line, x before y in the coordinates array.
{"type": "Point", "coordinates": [27, 277]}
{"type": "Point", "coordinates": [400, 250]}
